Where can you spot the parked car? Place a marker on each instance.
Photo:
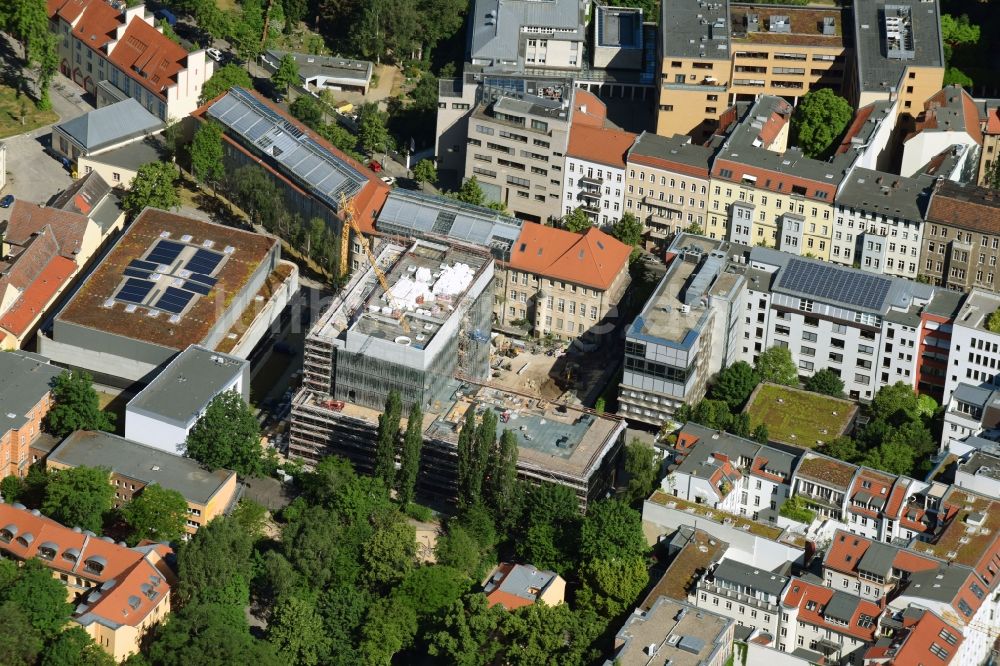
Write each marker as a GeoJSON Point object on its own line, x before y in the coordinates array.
{"type": "Point", "coordinates": [214, 54]}
{"type": "Point", "coordinates": [375, 166]}
{"type": "Point", "coordinates": [389, 180]}
{"type": "Point", "coordinates": [7, 201]}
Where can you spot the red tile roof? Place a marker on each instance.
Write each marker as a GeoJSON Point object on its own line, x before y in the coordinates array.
{"type": "Point", "coordinates": [912, 643]}
{"type": "Point", "coordinates": [28, 219]}
{"type": "Point", "coordinates": [860, 118]}
{"type": "Point", "coordinates": [596, 112]}
{"type": "Point", "coordinates": [33, 302]}
{"type": "Point", "coordinates": [845, 552]}
{"type": "Point", "coordinates": [801, 593]}
{"type": "Point", "coordinates": [950, 96]}
{"type": "Point", "coordinates": [68, 10]}
{"type": "Point", "coordinates": [152, 59]}
{"type": "Point", "coordinates": [97, 24]}
{"type": "Point", "coordinates": [599, 144]}
{"type": "Point", "coordinates": [592, 259]}
{"type": "Point", "coordinates": [967, 207]}
{"type": "Point", "coordinates": [993, 121]}
{"type": "Point", "coordinates": [129, 568]}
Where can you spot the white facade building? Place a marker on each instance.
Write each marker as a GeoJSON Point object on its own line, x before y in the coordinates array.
{"type": "Point", "coordinates": [975, 350]}
{"type": "Point", "coordinates": [594, 179]}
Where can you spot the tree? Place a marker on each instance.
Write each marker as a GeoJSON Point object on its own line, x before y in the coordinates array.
{"type": "Point", "coordinates": [468, 633]}
{"type": "Point", "coordinates": [341, 139]}
{"type": "Point", "coordinates": [611, 529]}
{"type": "Point", "coordinates": [295, 10]}
{"type": "Point", "coordinates": [819, 120]}
{"type": "Point", "coordinates": [287, 74]}
{"type": "Point", "coordinates": [430, 590]}
{"type": "Point", "coordinates": [153, 186]}
{"type": "Point", "coordinates": [251, 517]}
{"type": "Point", "coordinates": [257, 195]}
{"type": "Point", "coordinates": [387, 554]}
{"type": "Point", "coordinates": [425, 171]}
{"type": "Point", "coordinates": [388, 437]}
{"type": "Point", "coordinates": [20, 643]}
{"type": "Point", "coordinates": [957, 32]}
{"type": "Point", "coordinates": [735, 384]}
{"type": "Point", "coordinates": [843, 448]}
{"type": "Point", "coordinates": [775, 365]}
{"type": "Point", "coordinates": [760, 434]}
{"type": "Point", "coordinates": [77, 405]}
{"type": "Point", "coordinates": [896, 404]}
{"type": "Point", "coordinates": [550, 528]}
{"type": "Point", "coordinates": [576, 221]}
{"type": "Point", "coordinates": [409, 466]}
{"type": "Point", "coordinates": [157, 513]}
{"type": "Point", "coordinates": [168, 31]}
{"type": "Point", "coordinates": [642, 468]}
{"type": "Point", "coordinates": [991, 179]}
{"type": "Point", "coordinates": [296, 632]}
{"type": "Point", "coordinates": [501, 480]}
{"type": "Point", "coordinates": [892, 456]}
{"type": "Point", "coordinates": [483, 446]}
{"type": "Point", "coordinates": [227, 435]}
{"type": "Point", "coordinates": [75, 647]}
{"type": "Point", "coordinates": [207, 155]}
{"type": "Point", "coordinates": [466, 450]}
{"type": "Point", "coordinates": [993, 320]}
{"type": "Point", "coordinates": [540, 634]}
{"type": "Point", "coordinates": [215, 565]}
{"type": "Point", "coordinates": [79, 497]}
{"type": "Point", "coordinates": [628, 229]}
{"type": "Point", "coordinates": [223, 79]}
{"type": "Point", "coordinates": [306, 109]}
{"type": "Point", "coordinates": [11, 488]}
{"type": "Point", "coordinates": [213, 633]}
{"type": "Point", "coordinates": [612, 585]}
{"type": "Point", "coordinates": [471, 193]}
{"type": "Point", "coordinates": [827, 382]}
{"type": "Point", "coordinates": [372, 131]}
{"type": "Point", "coordinates": [388, 629]}
{"type": "Point", "coordinates": [953, 76]}
{"type": "Point", "coordinates": [39, 597]}
{"type": "Point", "coordinates": [458, 549]}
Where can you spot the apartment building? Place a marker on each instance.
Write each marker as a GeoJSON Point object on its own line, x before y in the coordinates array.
{"type": "Point", "coordinates": [949, 121]}
{"type": "Point", "coordinates": [687, 330]}
{"type": "Point", "coordinates": [676, 633]}
{"type": "Point", "coordinates": [898, 54]}
{"type": "Point", "coordinates": [133, 466]}
{"type": "Point", "coordinates": [971, 419]}
{"type": "Point", "coordinates": [975, 348]}
{"type": "Point", "coordinates": [595, 171]}
{"type": "Point", "coordinates": [961, 239]}
{"type": "Point", "coordinates": [991, 143]}
{"type": "Point", "coordinates": [879, 221]}
{"type": "Point", "coordinates": [666, 185]}
{"type": "Point", "coordinates": [777, 199]}
{"type": "Point", "coordinates": [25, 392]}
{"type": "Point", "coordinates": [865, 328]}
{"type": "Point", "coordinates": [119, 593]}
{"type": "Point", "coordinates": [979, 471]}
{"type": "Point", "coordinates": [103, 42]}
{"type": "Point", "coordinates": [517, 147]}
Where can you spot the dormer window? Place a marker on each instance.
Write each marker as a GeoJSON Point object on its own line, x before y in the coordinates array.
{"type": "Point", "coordinates": [95, 564]}
{"type": "Point", "coordinates": [48, 550]}
{"type": "Point", "coordinates": [26, 539]}
{"type": "Point", "coordinates": [8, 533]}
{"type": "Point", "coordinates": [71, 555]}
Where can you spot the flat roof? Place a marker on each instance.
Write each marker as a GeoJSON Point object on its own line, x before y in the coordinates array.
{"type": "Point", "coordinates": [497, 27]}
{"type": "Point", "coordinates": [887, 194]}
{"type": "Point", "coordinates": [131, 156]}
{"type": "Point", "coordinates": [683, 24]}
{"type": "Point", "coordinates": [142, 463]}
{"type": "Point", "coordinates": [982, 464]}
{"type": "Point", "coordinates": [183, 389]}
{"type": "Point", "coordinates": [618, 27]}
{"type": "Point", "coordinates": [95, 306]}
{"type": "Point", "coordinates": [916, 40]}
{"type": "Point", "coordinates": [24, 379]}
{"type": "Point", "coordinates": [683, 635]}
{"type": "Point", "coordinates": [335, 67]}
{"type": "Point", "coordinates": [788, 25]}
{"type": "Point", "coordinates": [978, 306]}
{"type": "Point", "coordinates": [665, 152]}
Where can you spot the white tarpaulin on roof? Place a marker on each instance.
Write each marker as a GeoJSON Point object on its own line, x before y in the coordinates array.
{"type": "Point", "coordinates": [454, 280]}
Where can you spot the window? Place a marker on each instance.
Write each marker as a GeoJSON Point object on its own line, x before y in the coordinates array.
{"type": "Point", "coordinates": [939, 651]}
{"type": "Point", "coordinates": [809, 337]}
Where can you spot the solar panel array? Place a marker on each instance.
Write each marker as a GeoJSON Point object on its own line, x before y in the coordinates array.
{"type": "Point", "coordinates": [321, 172]}
{"type": "Point", "coordinates": [191, 277]}
{"type": "Point", "coordinates": [834, 284]}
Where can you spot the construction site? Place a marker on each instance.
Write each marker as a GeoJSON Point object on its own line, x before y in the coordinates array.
{"type": "Point", "coordinates": [418, 321]}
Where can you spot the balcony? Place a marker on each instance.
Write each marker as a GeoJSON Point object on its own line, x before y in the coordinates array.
{"type": "Point", "coordinates": [591, 181]}
{"type": "Point", "coordinates": [591, 195]}
{"type": "Point", "coordinates": [738, 597]}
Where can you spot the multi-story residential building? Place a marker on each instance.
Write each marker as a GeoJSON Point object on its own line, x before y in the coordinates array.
{"type": "Point", "coordinates": [517, 146]}
{"type": "Point", "coordinates": [961, 239]}
{"type": "Point", "coordinates": [750, 596]}
{"type": "Point", "coordinates": [25, 392]}
{"type": "Point", "coordinates": [837, 624]}
{"type": "Point", "coordinates": [949, 121]}
{"type": "Point", "coordinates": [595, 171]}
{"type": "Point", "coordinates": [971, 418]}
{"type": "Point", "coordinates": [666, 186]}
{"type": "Point", "coordinates": [918, 636]}
{"type": "Point", "coordinates": [163, 413]}
{"type": "Point", "coordinates": [103, 42]}
{"type": "Point", "coordinates": [825, 482]}
{"type": "Point", "coordinates": [898, 54]}
{"type": "Point", "coordinates": [836, 318]}
{"type": "Point", "coordinates": [119, 593]}
{"type": "Point", "coordinates": [778, 199]}
{"type": "Point", "coordinates": [975, 348]}
{"type": "Point", "coordinates": [756, 478]}
{"type": "Point", "coordinates": [676, 633]}
{"type": "Point", "coordinates": [133, 466]}
{"type": "Point", "coordinates": [547, 280]}
{"type": "Point", "coordinates": [979, 471]}
{"type": "Point", "coordinates": [878, 222]}
{"type": "Point", "coordinates": [686, 331]}
{"type": "Point", "coordinates": [991, 143]}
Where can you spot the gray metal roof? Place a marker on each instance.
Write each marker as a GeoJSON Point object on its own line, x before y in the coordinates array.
{"type": "Point", "coordinates": [132, 156]}
{"type": "Point", "coordinates": [407, 213]}
{"type": "Point", "coordinates": [712, 441]}
{"type": "Point", "coordinates": [521, 579]}
{"type": "Point", "coordinates": [316, 169]}
{"type": "Point", "coordinates": [887, 194]}
{"type": "Point", "coordinates": [495, 30]}
{"type": "Point", "coordinates": [183, 389]}
{"type": "Point", "coordinates": [619, 27]}
{"type": "Point", "coordinates": [941, 584]}
{"type": "Point", "coordinates": [973, 395]}
{"type": "Point", "coordinates": [142, 463]}
{"type": "Point", "coordinates": [24, 379]}
{"type": "Point", "coordinates": [92, 197]}
{"type": "Point", "coordinates": [683, 24]}
{"type": "Point", "coordinates": [759, 579]}
{"type": "Point", "coordinates": [983, 464]}
{"type": "Point", "coordinates": [333, 67]}
{"type": "Point", "coordinates": [676, 148]}
{"type": "Point", "coordinates": [878, 72]}
{"type": "Point", "coordinates": [878, 558]}
{"type": "Point", "coordinates": [839, 285]}
{"type": "Point", "coordinates": [841, 606]}
{"type": "Point", "coordinates": [111, 124]}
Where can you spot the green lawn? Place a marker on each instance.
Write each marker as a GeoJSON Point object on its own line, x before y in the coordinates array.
{"type": "Point", "coordinates": [799, 417]}
{"type": "Point", "coordinates": [10, 114]}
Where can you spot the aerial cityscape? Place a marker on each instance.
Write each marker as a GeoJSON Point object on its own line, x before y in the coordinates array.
{"type": "Point", "coordinates": [499, 333]}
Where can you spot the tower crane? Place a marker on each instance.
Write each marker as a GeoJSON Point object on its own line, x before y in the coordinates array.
{"type": "Point", "coordinates": [351, 223]}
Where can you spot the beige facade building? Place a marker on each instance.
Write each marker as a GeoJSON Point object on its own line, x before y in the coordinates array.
{"type": "Point", "coordinates": [961, 241]}
{"type": "Point", "coordinates": [666, 185]}
{"type": "Point", "coordinates": [991, 143]}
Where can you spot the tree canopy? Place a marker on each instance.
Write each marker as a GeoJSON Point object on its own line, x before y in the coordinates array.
{"type": "Point", "coordinates": [775, 365]}
{"type": "Point", "coordinates": [819, 119]}
{"type": "Point", "coordinates": [79, 497]}
{"type": "Point", "coordinates": [628, 229]}
{"type": "Point", "coordinates": [827, 382]}
{"type": "Point", "coordinates": [206, 153]}
{"type": "Point", "coordinates": [287, 74]}
{"type": "Point", "coordinates": [227, 435]}
{"type": "Point", "coordinates": [157, 514]}
{"type": "Point", "coordinates": [471, 193]}
{"type": "Point", "coordinates": [223, 79]}
{"type": "Point", "coordinates": [642, 466]}
{"type": "Point", "coordinates": [576, 221]}
{"type": "Point", "coordinates": [77, 406]}
{"type": "Point", "coordinates": [734, 384]}
{"type": "Point", "coordinates": [154, 186]}
{"type": "Point", "coordinates": [425, 171]}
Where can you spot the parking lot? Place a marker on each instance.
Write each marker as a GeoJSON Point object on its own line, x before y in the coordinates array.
{"type": "Point", "coordinates": [32, 175]}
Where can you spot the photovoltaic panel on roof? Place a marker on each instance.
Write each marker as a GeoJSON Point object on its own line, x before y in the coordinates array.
{"type": "Point", "coordinates": [136, 273]}
{"type": "Point", "coordinates": [197, 288]}
{"type": "Point", "coordinates": [835, 284]}
{"type": "Point", "coordinates": [203, 261]}
{"type": "Point", "coordinates": [174, 300]}
{"type": "Point", "coordinates": [165, 252]}
{"type": "Point", "coordinates": [134, 290]}
{"type": "Point", "coordinates": [143, 265]}
{"type": "Point", "coordinates": [204, 279]}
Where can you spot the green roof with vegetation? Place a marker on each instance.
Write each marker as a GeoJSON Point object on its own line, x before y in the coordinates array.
{"type": "Point", "coordinates": [798, 417]}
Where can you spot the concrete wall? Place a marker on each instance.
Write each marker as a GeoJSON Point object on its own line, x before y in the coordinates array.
{"type": "Point", "coordinates": [266, 318]}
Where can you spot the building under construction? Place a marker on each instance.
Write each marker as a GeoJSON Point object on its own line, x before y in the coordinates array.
{"type": "Point", "coordinates": [424, 330]}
